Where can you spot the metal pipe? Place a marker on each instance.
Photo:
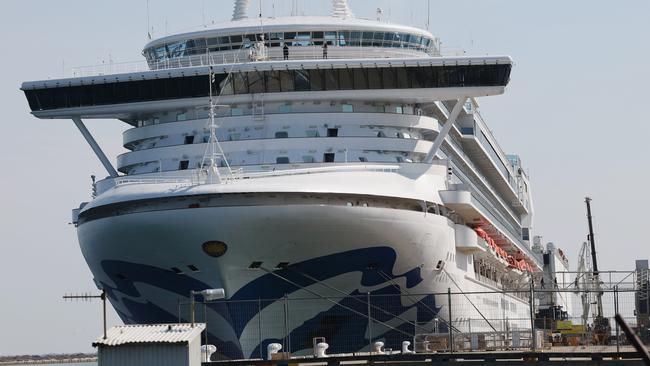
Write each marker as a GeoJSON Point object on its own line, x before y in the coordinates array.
{"type": "Point", "coordinates": [103, 297]}
{"type": "Point", "coordinates": [451, 334]}
{"type": "Point", "coordinates": [192, 307]}
{"type": "Point", "coordinates": [445, 130]}
{"type": "Point", "coordinates": [93, 145]}
{"type": "Point", "coordinates": [369, 323]}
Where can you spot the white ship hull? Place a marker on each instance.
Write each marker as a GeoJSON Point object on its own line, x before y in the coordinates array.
{"type": "Point", "coordinates": [337, 251]}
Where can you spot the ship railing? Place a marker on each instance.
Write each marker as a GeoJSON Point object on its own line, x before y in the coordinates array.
{"type": "Point", "coordinates": [198, 177]}
{"type": "Point", "coordinates": [242, 56]}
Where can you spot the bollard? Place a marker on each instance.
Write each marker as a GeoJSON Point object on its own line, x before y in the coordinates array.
{"type": "Point", "coordinates": [405, 347]}
{"type": "Point", "coordinates": [272, 349]}
{"type": "Point", "coordinates": [378, 347]}
{"type": "Point", "coordinates": [320, 349]}
{"type": "Point", "coordinates": [206, 351]}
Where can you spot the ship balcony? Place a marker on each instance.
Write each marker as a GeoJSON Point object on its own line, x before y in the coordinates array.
{"type": "Point", "coordinates": [474, 212]}
{"type": "Point", "coordinates": [476, 146]}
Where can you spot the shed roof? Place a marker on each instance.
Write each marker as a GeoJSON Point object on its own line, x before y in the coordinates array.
{"type": "Point", "coordinates": [150, 333]}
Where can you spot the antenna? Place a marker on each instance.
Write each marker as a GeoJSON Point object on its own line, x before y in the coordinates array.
{"type": "Point", "coordinates": [428, 14]}
{"type": "Point", "coordinates": [149, 36]}
{"type": "Point", "coordinates": [88, 297]}
{"type": "Point", "coordinates": [213, 151]}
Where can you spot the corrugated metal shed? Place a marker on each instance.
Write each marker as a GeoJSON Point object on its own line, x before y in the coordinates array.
{"type": "Point", "coordinates": [151, 345]}
{"type": "Point", "coordinates": [150, 333]}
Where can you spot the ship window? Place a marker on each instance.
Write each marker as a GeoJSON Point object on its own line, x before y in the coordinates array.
{"type": "Point", "coordinates": [181, 117]}
{"type": "Point", "coordinates": [366, 39]}
{"type": "Point", "coordinates": [399, 159]}
{"type": "Point", "coordinates": [183, 164]}
{"type": "Point", "coordinates": [312, 133]}
{"type": "Point", "coordinates": [328, 157]}
{"type": "Point", "coordinates": [273, 81]}
{"type": "Point", "coordinates": [381, 134]}
{"type": "Point", "coordinates": [282, 160]}
{"type": "Point", "coordinates": [281, 135]}
{"type": "Point", "coordinates": [255, 265]}
{"type": "Point", "coordinates": [236, 112]}
{"type": "Point", "coordinates": [256, 82]}
{"type": "Point", "coordinates": [226, 85]}
{"type": "Point", "coordinates": [360, 79]}
{"type": "Point", "coordinates": [282, 265]}
{"type": "Point", "coordinates": [240, 83]}
{"type": "Point", "coordinates": [346, 79]}
{"type": "Point", "coordinates": [286, 81]}
{"type": "Point", "coordinates": [363, 159]}
{"type": "Point", "coordinates": [301, 80]}
{"type": "Point", "coordinates": [316, 79]}
{"type": "Point", "coordinates": [402, 78]}
{"type": "Point", "coordinates": [388, 77]}
{"type": "Point", "coordinates": [189, 140]}
{"type": "Point", "coordinates": [331, 79]}
{"type": "Point", "coordinates": [307, 159]}
{"type": "Point", "coordinates": [285, 108]}
{"type": "Point", "coordinates": [193, 268]}
{"type": "Point", "coordinates": [330, 38]}
{"type": "Point", "coordinates": [355, 39]}
{"type": "Point", "coordinates": [347, 108]}
{"type": "Point", "coordinates": [332, 132]}
{"type": "Point", "coordinates": [374, 78]}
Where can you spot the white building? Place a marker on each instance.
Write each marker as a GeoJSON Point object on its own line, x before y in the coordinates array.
{"type": "Point", "coordinates": [155, 344]}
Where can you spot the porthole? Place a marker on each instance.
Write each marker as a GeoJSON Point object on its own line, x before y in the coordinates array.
{"type": "Point", "coordinates": [215, 248]}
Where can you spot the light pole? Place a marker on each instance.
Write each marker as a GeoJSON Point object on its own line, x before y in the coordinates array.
{"type": "Point", "coordinates": [208, 295]}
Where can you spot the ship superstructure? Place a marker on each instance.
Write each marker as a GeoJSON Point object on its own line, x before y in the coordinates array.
{"type": "Point", "coordinates": [273, 156]}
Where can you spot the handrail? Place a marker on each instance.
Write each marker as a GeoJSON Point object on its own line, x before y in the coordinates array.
{"type": "Point", "coordinates": [242, 55]}
{"type": "Point", "coordinates": [197, 178]}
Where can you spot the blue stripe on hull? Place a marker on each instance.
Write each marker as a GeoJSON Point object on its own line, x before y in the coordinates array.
{"type": "Point", "coordinates": [344, 324]}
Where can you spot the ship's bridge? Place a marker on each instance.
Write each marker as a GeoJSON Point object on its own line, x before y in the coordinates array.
{"type": "Point", "coordinates": [305, 37]}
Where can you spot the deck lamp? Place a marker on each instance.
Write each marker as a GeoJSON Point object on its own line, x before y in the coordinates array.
{"type": "Point", "coordinates": [208, 295]}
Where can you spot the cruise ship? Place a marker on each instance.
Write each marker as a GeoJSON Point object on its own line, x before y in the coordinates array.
{"type": "Point", "coordinates": [325, 157]}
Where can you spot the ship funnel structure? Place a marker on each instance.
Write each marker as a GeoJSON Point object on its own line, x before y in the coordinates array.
{"type": "Point", "coordinates": [241, 7]}
{"type": "Point", "coordinates": [341, 9]}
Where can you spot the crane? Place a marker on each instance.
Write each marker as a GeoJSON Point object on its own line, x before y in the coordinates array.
{"type": "Point", "coordinates": [602, 328]}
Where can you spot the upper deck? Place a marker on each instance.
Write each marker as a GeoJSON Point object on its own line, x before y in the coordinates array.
{"type": "Point", "coordinates": [300, 37]}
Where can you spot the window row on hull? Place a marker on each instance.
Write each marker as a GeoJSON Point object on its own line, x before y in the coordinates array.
{"type": "Point", "coordinates": [303, 80]}
{"type": "Point", "coordinates": [268, 157]}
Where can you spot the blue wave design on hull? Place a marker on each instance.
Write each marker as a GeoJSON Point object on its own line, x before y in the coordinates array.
{"type": "Point", "coordinates": [341, 324]}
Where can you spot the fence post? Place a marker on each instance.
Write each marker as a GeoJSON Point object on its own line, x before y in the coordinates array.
{"type": "Point", "coordinates": [369, 323]}
{"type": "Point", "coordinates": [618, 336]}
{"type": "Point", "coordinates": [532, 315]}
{"type": "Point", "coordinates": [286, 339]}
{"type": "Point", "coordinates": [259, 325]}
{"type": "Point", "coordinates": [451, 334]}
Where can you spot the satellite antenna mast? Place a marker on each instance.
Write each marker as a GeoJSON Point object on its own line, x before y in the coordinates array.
{"type": "Point", "coordinates": [88, 297]}
{"type": "Point", "coordinates": [428, 15]}
{"type": "Point", "coordinates": [213, 152]}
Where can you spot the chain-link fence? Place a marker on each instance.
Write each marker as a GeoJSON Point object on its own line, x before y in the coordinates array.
{"type": "Point", "coordinates": [394, 323]}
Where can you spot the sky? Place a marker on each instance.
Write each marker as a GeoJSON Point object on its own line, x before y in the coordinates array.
{"type": "Point", "coordinates": [574, 111]}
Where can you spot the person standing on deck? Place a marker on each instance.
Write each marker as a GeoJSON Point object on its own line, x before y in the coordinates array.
{"type": "Point", "coordinates": [325, 50]}
{"type": "Point", "coordinates": [285, 51]}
